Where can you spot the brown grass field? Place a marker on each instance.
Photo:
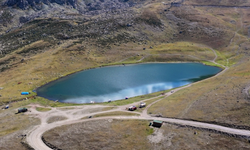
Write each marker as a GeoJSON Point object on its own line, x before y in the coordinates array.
{"type": "Point", "coordinates": [116, 113]}
{"type": "Point", "coordinates": [55, 119]}
{"type": "Point", "coordinates": [136, 134]}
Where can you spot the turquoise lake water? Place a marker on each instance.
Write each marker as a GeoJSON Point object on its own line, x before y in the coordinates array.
{"type": "Point", "coordinates": [117, 82]}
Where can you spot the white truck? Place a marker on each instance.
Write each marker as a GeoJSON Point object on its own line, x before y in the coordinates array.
{"type": "Point", "coordinates": [142, 104]}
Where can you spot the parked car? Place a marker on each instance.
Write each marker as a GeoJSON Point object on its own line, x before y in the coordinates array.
{"type": "Point", "coordinates": [132, 108]}
{"type": "Point", "coordinates": [142, 104]}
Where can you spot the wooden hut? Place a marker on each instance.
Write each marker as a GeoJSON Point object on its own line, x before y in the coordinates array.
{"type": "Point", "coordinates": [157, 123]}
{"type": "Point", "coordinates": [20, 110]}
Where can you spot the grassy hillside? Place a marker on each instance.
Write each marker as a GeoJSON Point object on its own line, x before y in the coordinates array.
{"type": "Point", "coordinates": [60, 41]}
{"type": "Point", "coordinates": [221, 100]}
{"type": "Point", "coordinates": [45, 49]}
{"type": "Point", "coordinates": [224, 99]}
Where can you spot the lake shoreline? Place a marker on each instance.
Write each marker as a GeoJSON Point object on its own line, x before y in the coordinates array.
{"type": "Point", "coordinates": [113, 65]}
{"type": "Point", "coordinates": [118, 65]}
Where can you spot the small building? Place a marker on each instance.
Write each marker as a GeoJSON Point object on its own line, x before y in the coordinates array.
{"type": "Point", "coordinates": [20, 110]}
{"type": "Point", "coordinates": [157, 123]}
{"type": "Point", "coordinates": [25, 93]}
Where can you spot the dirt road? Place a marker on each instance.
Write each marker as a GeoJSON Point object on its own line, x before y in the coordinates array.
{"type": "Point", "coordinates": [34, 137]}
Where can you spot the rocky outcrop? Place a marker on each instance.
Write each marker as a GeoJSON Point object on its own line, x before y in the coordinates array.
{"type": "Point", "coordinates": [89, 5]}
{"type": "Point", "coordinates": [24, 4]}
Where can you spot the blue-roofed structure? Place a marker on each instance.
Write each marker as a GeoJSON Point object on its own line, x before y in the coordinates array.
{"type": "Point", "coordinates": [25, 93]}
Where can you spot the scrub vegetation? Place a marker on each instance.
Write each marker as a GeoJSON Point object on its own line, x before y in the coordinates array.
{"type": "Point", "coordinates": [111, 134]}
{"type": "Point", "coordinates": [14, 128]}
{"type": "Point", "coordinates": [42, 109]}
{"type": "Point", "coordinates": [136, 134]}
{"type": "Point", "coordinates": [116, 113]}
{"type": "Point", "coordinates": [55, 119]}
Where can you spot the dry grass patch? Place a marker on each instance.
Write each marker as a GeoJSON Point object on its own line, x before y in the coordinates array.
{"type": "Point", "coordinates": [117, 113]}
{"type": "Point", "coordinates": [93, 110]}
{"type": "Point", "coordinates": [172, 137]}
{"type": "Point", "coordinates": [108, 134]}
{"type": "Point", "coordinates": [42, 109]}
{"type": "Point", "coordinates": [34, 48]}
{"type": "Point", "coordinates": [66, 108]}
{"type": "Point", "coordinates": [11, 122]}
{"type": "Point", "coordinates": [136, 134]}
{"type": "Point", "coordinates": [197, 51]}
{"type": "Point", "coordinates": [12, 126]}
{"type": "Point", "coordinates": [55, 119]}
{"type": "Point", "coordinates": [220, 2]}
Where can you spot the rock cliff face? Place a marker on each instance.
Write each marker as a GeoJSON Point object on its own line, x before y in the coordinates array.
{"type": "Point", "coordinates": [24, 4]}
{"type": "Point", "coordinates": [89, 4]}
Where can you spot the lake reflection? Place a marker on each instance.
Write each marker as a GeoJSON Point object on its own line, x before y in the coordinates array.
{"type": "Point", "coordinates": [118, 82]}
{"type": "Point", "coordinates": [131, 92]}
